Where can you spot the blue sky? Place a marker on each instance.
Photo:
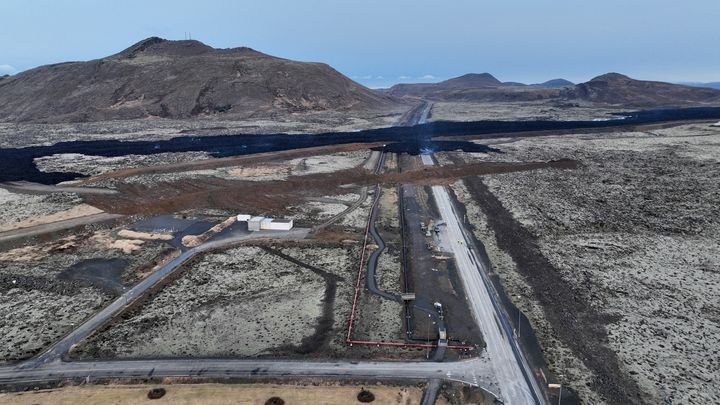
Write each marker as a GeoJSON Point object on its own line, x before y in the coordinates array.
{"type": "Point", "coordinates": [383, 42]}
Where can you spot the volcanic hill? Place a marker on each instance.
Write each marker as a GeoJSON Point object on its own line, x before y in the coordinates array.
{"type": "Point", "coordinates": [181, 79]}
{"type": "Point", "coordinates": [610, 89]}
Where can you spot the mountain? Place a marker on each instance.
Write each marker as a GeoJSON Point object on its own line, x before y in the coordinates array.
{"type": "Point", "coordinates": [555, 83]}
{"type": "Point", "coordinates": [180, 79]}
{"type": "Point", "coordinates": [617, 89]}
{"type": "Point", "coordinates": [612, 89]}
{"type": "Point", "coordinates": [712, 85]}
{"type": "Point", "coordinates": [430, 90]}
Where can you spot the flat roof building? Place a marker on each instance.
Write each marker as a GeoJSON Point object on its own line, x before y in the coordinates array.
{"type": "Point", "coordinates": [262, 223]}
{"type": "Point", "coordinates": [254, 223]}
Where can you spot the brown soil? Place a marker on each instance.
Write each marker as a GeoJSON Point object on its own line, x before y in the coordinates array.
{"type": "Point", "coordinates": [273, 197]}
{"type": "Point", "coordinates": [231, 161]}
{"type": "Point", "coordinates": [81, 210]}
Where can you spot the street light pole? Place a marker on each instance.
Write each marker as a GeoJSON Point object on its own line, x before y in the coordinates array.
{"type": "Point", "coordinates": [560, 393]}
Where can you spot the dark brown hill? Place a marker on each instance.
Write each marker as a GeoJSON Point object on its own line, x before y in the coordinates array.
{"type": "Point", "coordinates": [441, 89]}
{"type": "Point", "coordinates": [180, 79]}
{"type": "Point", "coordinates": [611, 89]}
{"type": "Point", "coordinates": [617, 89]}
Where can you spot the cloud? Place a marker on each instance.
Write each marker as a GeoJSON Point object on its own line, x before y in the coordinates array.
{"type": "Point", "coordinates": [7, 70]}
{"type": "Point", "coordinates": [428, 77]}
{"type": "Point", "coordinates": [403, 77]}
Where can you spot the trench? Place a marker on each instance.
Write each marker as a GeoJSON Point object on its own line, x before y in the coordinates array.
{"type": "Point", "coordinates": [322, 334]}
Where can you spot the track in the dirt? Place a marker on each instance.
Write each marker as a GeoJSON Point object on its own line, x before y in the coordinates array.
{"type": "Point", "coordinates": [325, 324]}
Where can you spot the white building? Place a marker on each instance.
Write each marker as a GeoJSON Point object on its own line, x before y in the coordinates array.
{"type": "Point", "coordinates": [254, 223]}
{"type": "Point", "coordinates": [278, 224]}
{"type": "Point", "coordinates": [262, 223]}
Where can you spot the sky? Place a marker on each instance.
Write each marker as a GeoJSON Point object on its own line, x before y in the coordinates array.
{"type": "Point", "coordinates": [379, 43]}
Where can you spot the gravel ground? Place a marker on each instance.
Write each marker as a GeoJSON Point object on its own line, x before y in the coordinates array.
{"type": "Point", "coordinates": [243, 302]}
{"type": "Point", "coordinates": [27, 134]}
{"type": "Point", "coordinates": [632, 234]}
{"type": "Point", "coordinates": [94, 165]}
{"type": "Point", "coordinates": [516, 111]}
{"type": "Point", "coordinates": [17, 207]}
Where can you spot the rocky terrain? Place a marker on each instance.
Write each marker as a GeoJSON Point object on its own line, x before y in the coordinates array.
{"type": "Point", "coordinates": [49, 288]}
{"type": "Point", "coordinates": [608, 90]}
{"type": "Point", "coordinates": [615, 262]}
{"type": "Point", "coordinates": [519, 111]}
{"type": "Point", "coordinates": [20, 134]}
{"type": "Point", "coordinates": [248, 301]}
{"type": "Point", "coordinates": [158, 78]}
{"type": "Point", "coordinates": [17, 207]}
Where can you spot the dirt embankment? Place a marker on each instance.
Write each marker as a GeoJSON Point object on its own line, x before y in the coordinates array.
{"type": "Point", "coordinates": [207, 164]}
{"type": "Point", "coordinates": [273, 197]}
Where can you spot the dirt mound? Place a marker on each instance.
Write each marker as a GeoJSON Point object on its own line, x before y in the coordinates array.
{"type": "Point", "coordinates": [180, 79]}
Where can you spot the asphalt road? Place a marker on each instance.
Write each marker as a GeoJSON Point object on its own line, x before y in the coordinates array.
{"type": "Point", "coordinates": [510, 366]}
{"type": "Point", "coordinates": [463, 371]}
{"type": "Point", "coordinates": [375, 255]}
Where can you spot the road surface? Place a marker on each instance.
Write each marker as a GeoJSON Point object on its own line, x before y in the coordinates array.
{"type": "Point", "coordinates": [37, 188]}
{"type": "Point", "coordinates": [463, 371]}
{"type": "Point", "coordinates": [517, 384]}
{"type": "Point", "coordinates": [57, 226]}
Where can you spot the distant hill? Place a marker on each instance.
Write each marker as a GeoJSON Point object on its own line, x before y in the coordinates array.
{"type": "Point", "coordinates": [180, 79]}
{"type": "Point", "coordinates": [483, 85]}
{"type": "Point", "coordinates": [555, 83]}
{"type": "Point", "coordinates": [430, 90]}
{"type": "Point", "coordinates": [617, 89]}
{"type": "Point", "coordinates": [712, 85]}
{"type": "Point", "coordinates": [611, 89]}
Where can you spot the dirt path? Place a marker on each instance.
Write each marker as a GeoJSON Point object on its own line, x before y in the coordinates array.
{"type": "Point", "coordinates": [55, 226]}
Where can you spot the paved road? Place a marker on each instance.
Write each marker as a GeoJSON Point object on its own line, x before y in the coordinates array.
{"type": "Point", "coordinates": [29, 187]}
{"type": "Point", "coordinates": [431, 392]}
{"type": "Point", "coordinates": [375, 255]}
{"type": "Point", "coordinates": [65, 344]}
{"type": "Point", "coordinates": [463, 371]}
{"type": "Point", "coordinates": [418, 115]}
{"type": "Point", "coordinates": [517, 385]}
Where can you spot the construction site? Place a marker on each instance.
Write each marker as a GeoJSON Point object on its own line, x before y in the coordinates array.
{"type": "Point", "coordinates": [355, 255]}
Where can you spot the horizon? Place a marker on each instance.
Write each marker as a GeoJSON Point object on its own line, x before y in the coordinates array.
{"type": "Point", "coordinates": [409, 42]}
